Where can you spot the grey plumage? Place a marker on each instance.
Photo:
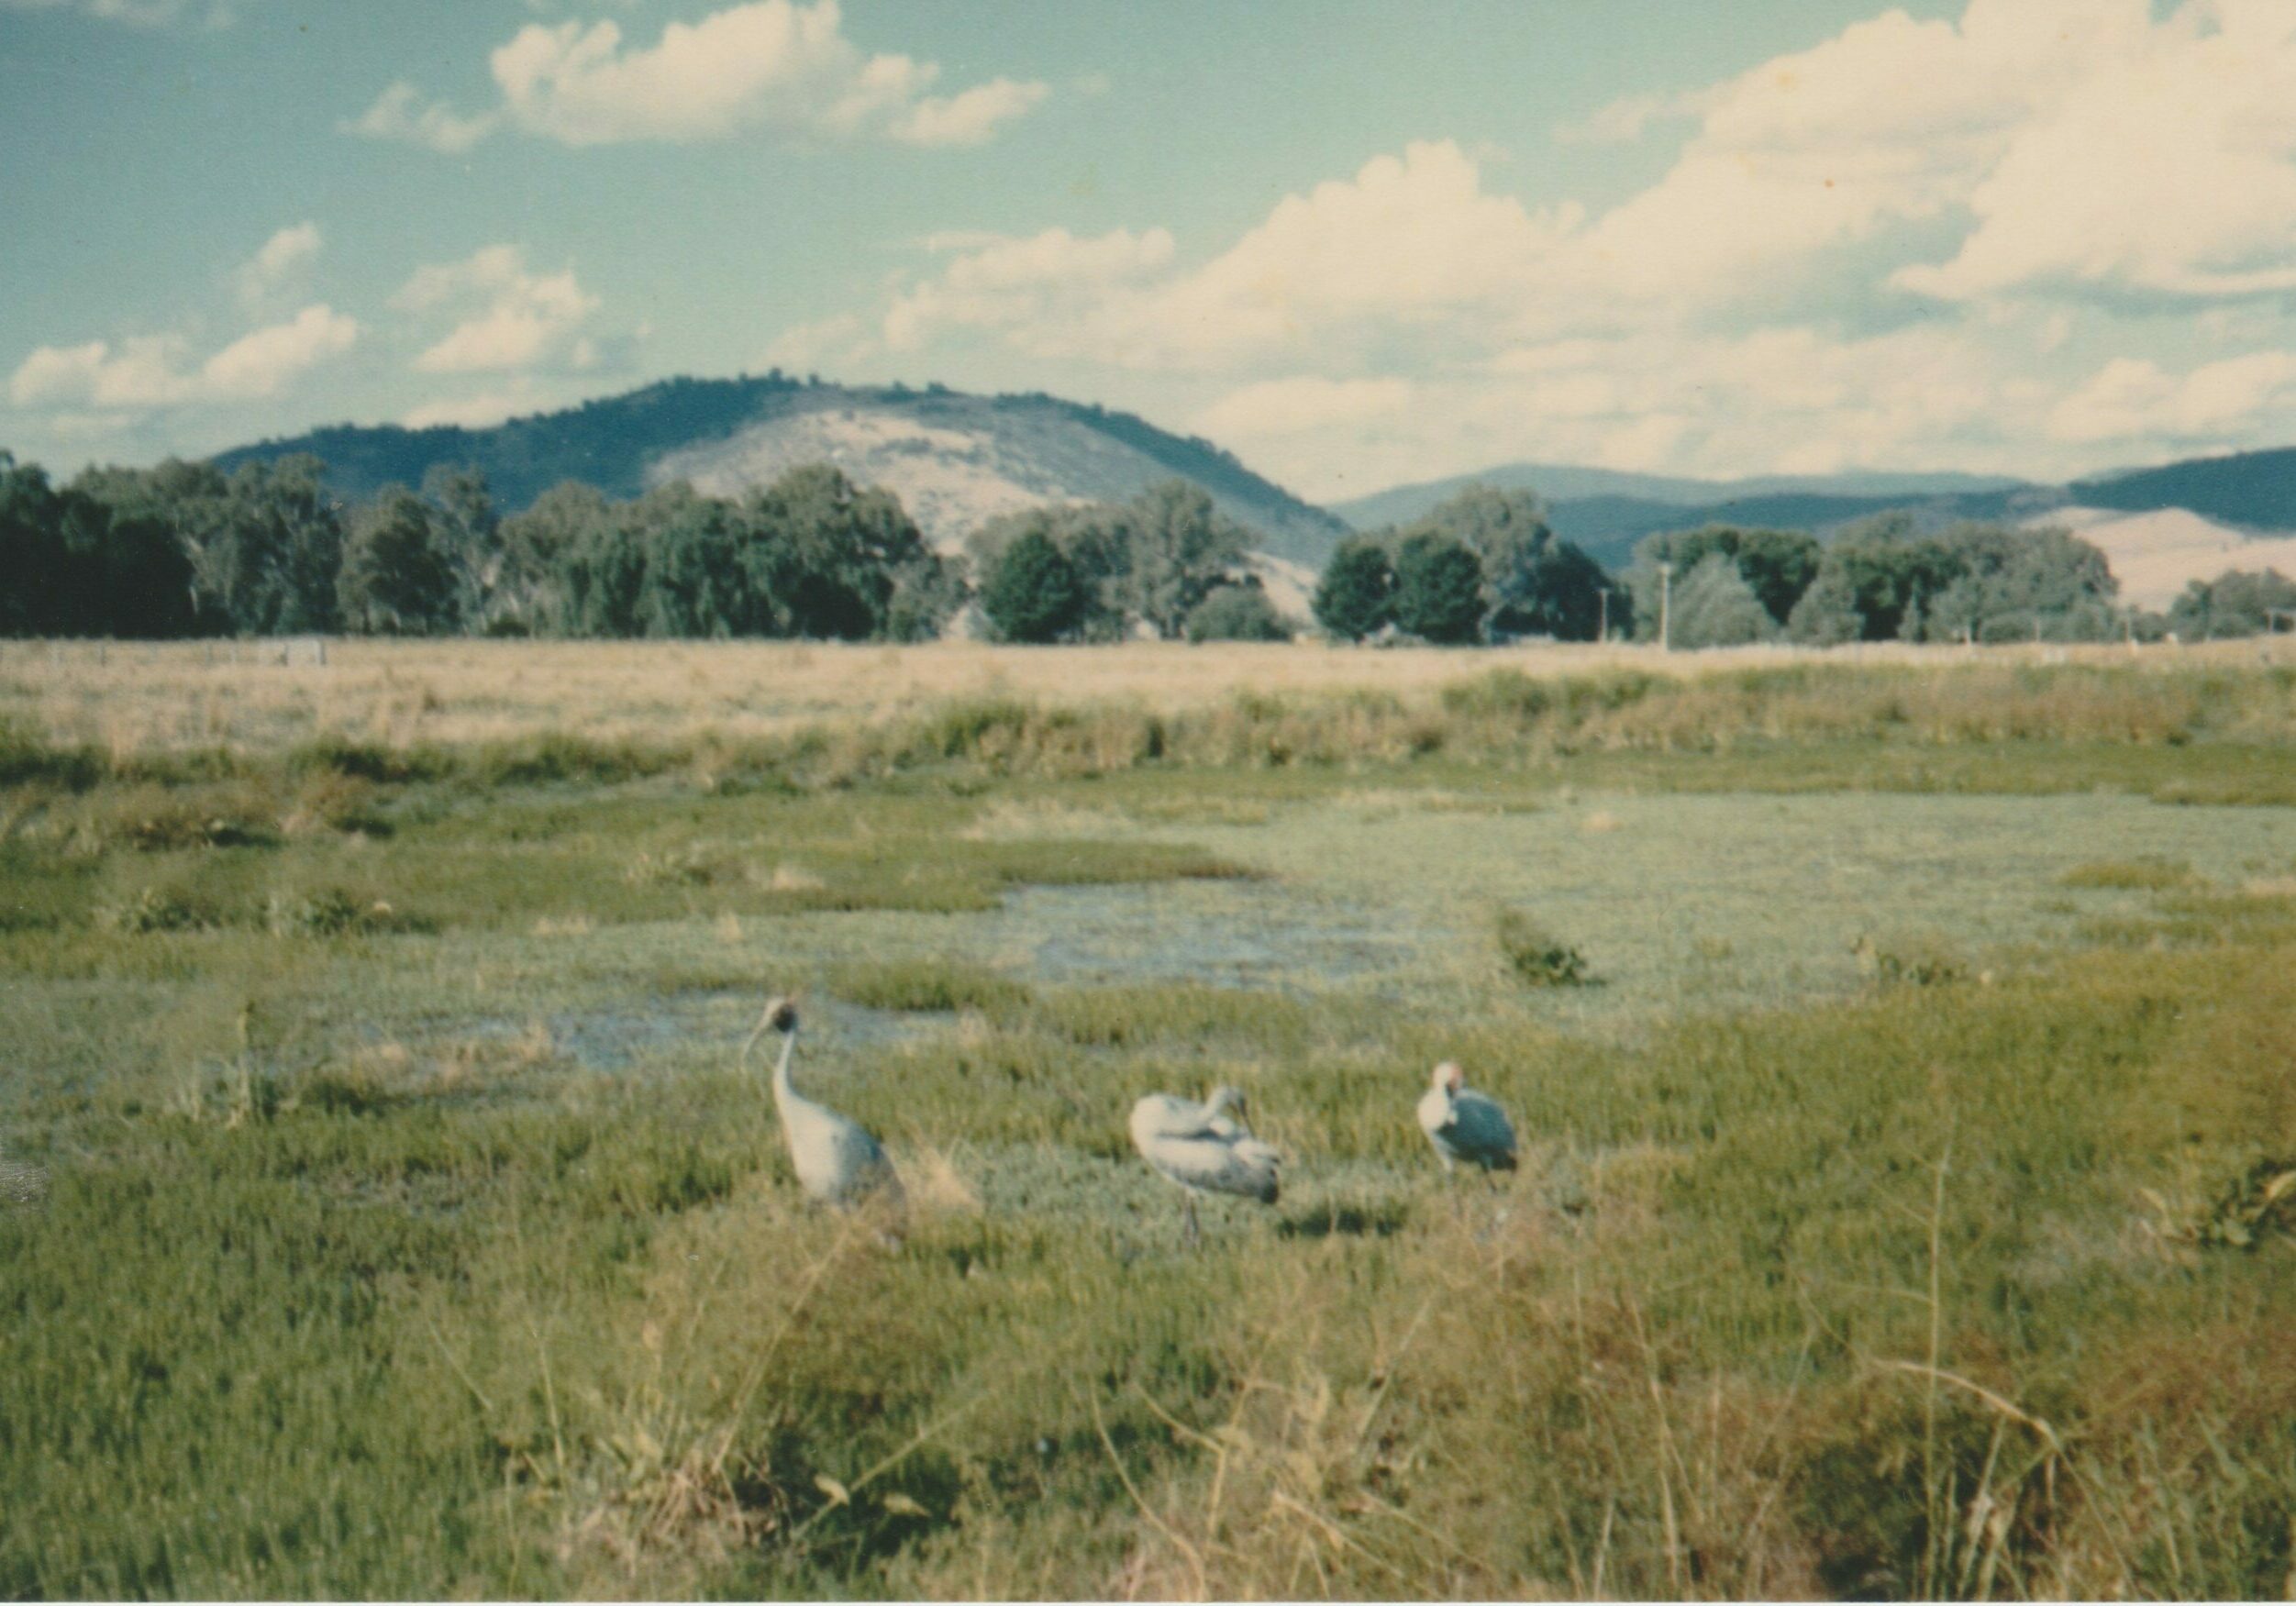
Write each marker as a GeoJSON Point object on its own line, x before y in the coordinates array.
{"type": "Point", "coordinates": [1204, 1148]}
{"type": "Point", "coordinates": [1464, 1126]}
{"type": "Point", "coordinates": [838, 1162]}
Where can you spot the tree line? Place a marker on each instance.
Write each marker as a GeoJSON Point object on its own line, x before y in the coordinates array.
{"type": "Point", "coordinates": [1483, 565]}
{"type": "Point", "coordinates": [187, 549]}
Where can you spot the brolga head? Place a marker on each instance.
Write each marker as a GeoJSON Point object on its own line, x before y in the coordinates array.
{"type": "Point", "coordinates": [780, 1015]}
{"type": "Point", "coordinates": [1448, 1077]}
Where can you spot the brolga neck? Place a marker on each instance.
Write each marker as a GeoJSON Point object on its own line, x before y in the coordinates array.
{"type": "Point", "coordinates": [782, 1092]}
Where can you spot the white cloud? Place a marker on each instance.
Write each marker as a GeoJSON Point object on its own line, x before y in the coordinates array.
{"type": "Point", "coordinates": [968, 118]}
{"type": "Point", "coordinates": [260, 363]}
{"type": "Point", "coordinates": [150, 371]}
{"type": "Point", "coordinates": [400, 113]}
{"type": "Point", "coordinates": [511, 319]}
{"type": "Point", "coordinates": [1408, 242]}
{"type": "Point", "coordinates": [1405, 251]}
{"type": "Point", "coordinates": [774, 65]}
{"type": "Point", "coordinates": [2134, 399]}
{"type": "Point", "coordinates": [478, 412]}
{"type": "Point", "coordinates": [1626, 119]}
{"type": "Point", "coordinates": [281, 257]}
{"type": "Point", "coordinates": [1049, 293]}
{"type": "Point", "coordinates": [837, 341]}
{"type": "Point", "coordinates": [1303, 405]}
{"type": "Point", "coordinates": [2170, 166]}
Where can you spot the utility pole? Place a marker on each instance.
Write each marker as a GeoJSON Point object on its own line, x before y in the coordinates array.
{"type": "Point", "coordinates": [1666, 601]}
{"type": "Point", "coordinates": [1603, 634]}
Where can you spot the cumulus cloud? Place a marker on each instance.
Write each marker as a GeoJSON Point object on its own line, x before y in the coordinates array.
{"type": "Point", "coordinates": [2134, 399]}
{"type": "Point", "coordinates": [772, 65]}
{"type": "Point", "coordinates": [281, 257]}
{"type": "Point", "coordinates": [967, 118]}
{"type": "Point", "coordinates": [2170, 167]}
{"type": "Point", "coordinates": [1053, 293]}
{"type": "Point", "coordinates": [509, 319]}
{"type": "Point", "coordinates": [1916, 241]}
{"type": "Point", "coordinates": [478, 412]}
{"type": "Point", "coordinates": [150, 371]}
{"type": "Point", "coordinates": [835, 341]}
{"type": "Point", "coordinates": [401, 113]}
{"type": "Point", "coordinates": [1305, 404]}
{"type": "Point", "coordinates": [1408, 247]}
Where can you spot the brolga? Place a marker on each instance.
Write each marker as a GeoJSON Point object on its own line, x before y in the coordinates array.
{"type": "Point", "coordinates": [1464, 1126]}
{"type": "Point", "coordinates": [1205, 1149]}
{"type": "Point", "coordinates": [838, 1162]}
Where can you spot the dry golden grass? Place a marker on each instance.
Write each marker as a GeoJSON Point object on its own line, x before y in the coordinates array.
{"type": "Point", "coordinates": [143, 697]}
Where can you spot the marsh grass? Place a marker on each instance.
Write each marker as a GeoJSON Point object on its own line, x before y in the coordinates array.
{"type": "Point", "coordinates": [364, 1269]}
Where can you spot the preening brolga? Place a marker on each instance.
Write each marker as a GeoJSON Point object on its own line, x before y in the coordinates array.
{"type": "Point", "coordinates": [1204, 1149]}
{"type": "Point", "coordinates": [1464, 1126]}
{"type": "Point", "coordinates": [838, 1162]}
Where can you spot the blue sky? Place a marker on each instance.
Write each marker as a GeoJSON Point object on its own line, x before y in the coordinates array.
{"type": "Point", "coordinates": [1358, 243]}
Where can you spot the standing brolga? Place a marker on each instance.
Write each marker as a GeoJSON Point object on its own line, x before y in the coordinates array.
{"type": "Point", "coordinates": [838, 1162]}
{"type": "Point", "coordinates": [1464, 1125]}
{"type": "Point", "coordinates": [1204, 1149]}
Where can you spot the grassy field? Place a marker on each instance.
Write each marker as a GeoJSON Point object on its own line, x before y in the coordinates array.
{"type": "Point", "coordinates": [1904, 1207]}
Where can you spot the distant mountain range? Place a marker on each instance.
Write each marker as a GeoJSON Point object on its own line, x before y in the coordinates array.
{"type": "Point", "coordinates": [1562, 482]}
{"type": "Point", "coordinates": [954, 459]}
{"type": "Point", "coordinates": [1607, 513]}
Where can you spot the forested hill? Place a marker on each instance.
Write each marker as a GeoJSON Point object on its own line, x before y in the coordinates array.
{"type": "Point", "coordinates": [2253, 488]}
{"type": "Point", "coordinates": [954, 459]}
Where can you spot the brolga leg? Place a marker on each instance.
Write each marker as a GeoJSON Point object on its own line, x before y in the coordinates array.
{"type": "Point", "coordinates": [1193, 1236]}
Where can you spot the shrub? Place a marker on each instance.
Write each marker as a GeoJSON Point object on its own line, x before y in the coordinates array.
{"type": "Point", "coordinates": [1237, 613]}
{"type": "Point", "coordinates": [1535, 957]}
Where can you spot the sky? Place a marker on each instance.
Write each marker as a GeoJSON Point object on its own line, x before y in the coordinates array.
{"type": "Point", "coordinates": [1359, 244]}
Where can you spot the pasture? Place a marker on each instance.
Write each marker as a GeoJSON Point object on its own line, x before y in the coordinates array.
{"type": "Point", "coordinates": [1904, 1209]}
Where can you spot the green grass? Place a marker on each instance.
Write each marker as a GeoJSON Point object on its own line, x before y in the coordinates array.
{"type": "Point", "coordinates": [410, 1229]}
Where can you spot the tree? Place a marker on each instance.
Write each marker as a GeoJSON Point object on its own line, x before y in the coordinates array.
{"type": "Point", "coordinates": [1778, 565]}
{"type": "Point", "coordinates": [32, 552]}
{"type": "Point", "coordinates": [394, 580]}
{"type": "Point", "coordinates": [1356, 597]}
{"type": "Point", "coordinates": [1439, 590]}
{"type": "Point", "coordinates": [1180, 546]}
{"type": "Point", "coordinates": [1827, 614]}
{"type": "Point", "coordinates": [1534, 584]}
{"type": "Point", "coordinates": [542, 581]}
{"type": "Point", "coordinates": [469, 537]}
{"type": "Point", "coordinates": [1095, 539]}
{"type": "Point", "coordinates": [2234, 603]}
{"type": "Point", "coordinates": [269, 562]}
{"type": "Point", "coordinates": [1033, 594]}
{"type": "Point", "coordinates": [695, 582]}
{"type": "Point", "coordinates": [827, 556]}
{"type": "Point", "coordinates": [1714, 606]}
{"type": "Point", "coordinates": [1237, 613]}
{"type": "Point", "coordinates": [128, 570]}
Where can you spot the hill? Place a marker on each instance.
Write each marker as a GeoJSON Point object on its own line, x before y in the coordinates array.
{"type": "Point", "coordinates": [954, 459]}
{"type": "Point", "coordinates": [2158, 528]}
{"type": "Point", "coordinates": [1559, 483]}
{"type": "Point", "coordinates": [2257, 489]}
